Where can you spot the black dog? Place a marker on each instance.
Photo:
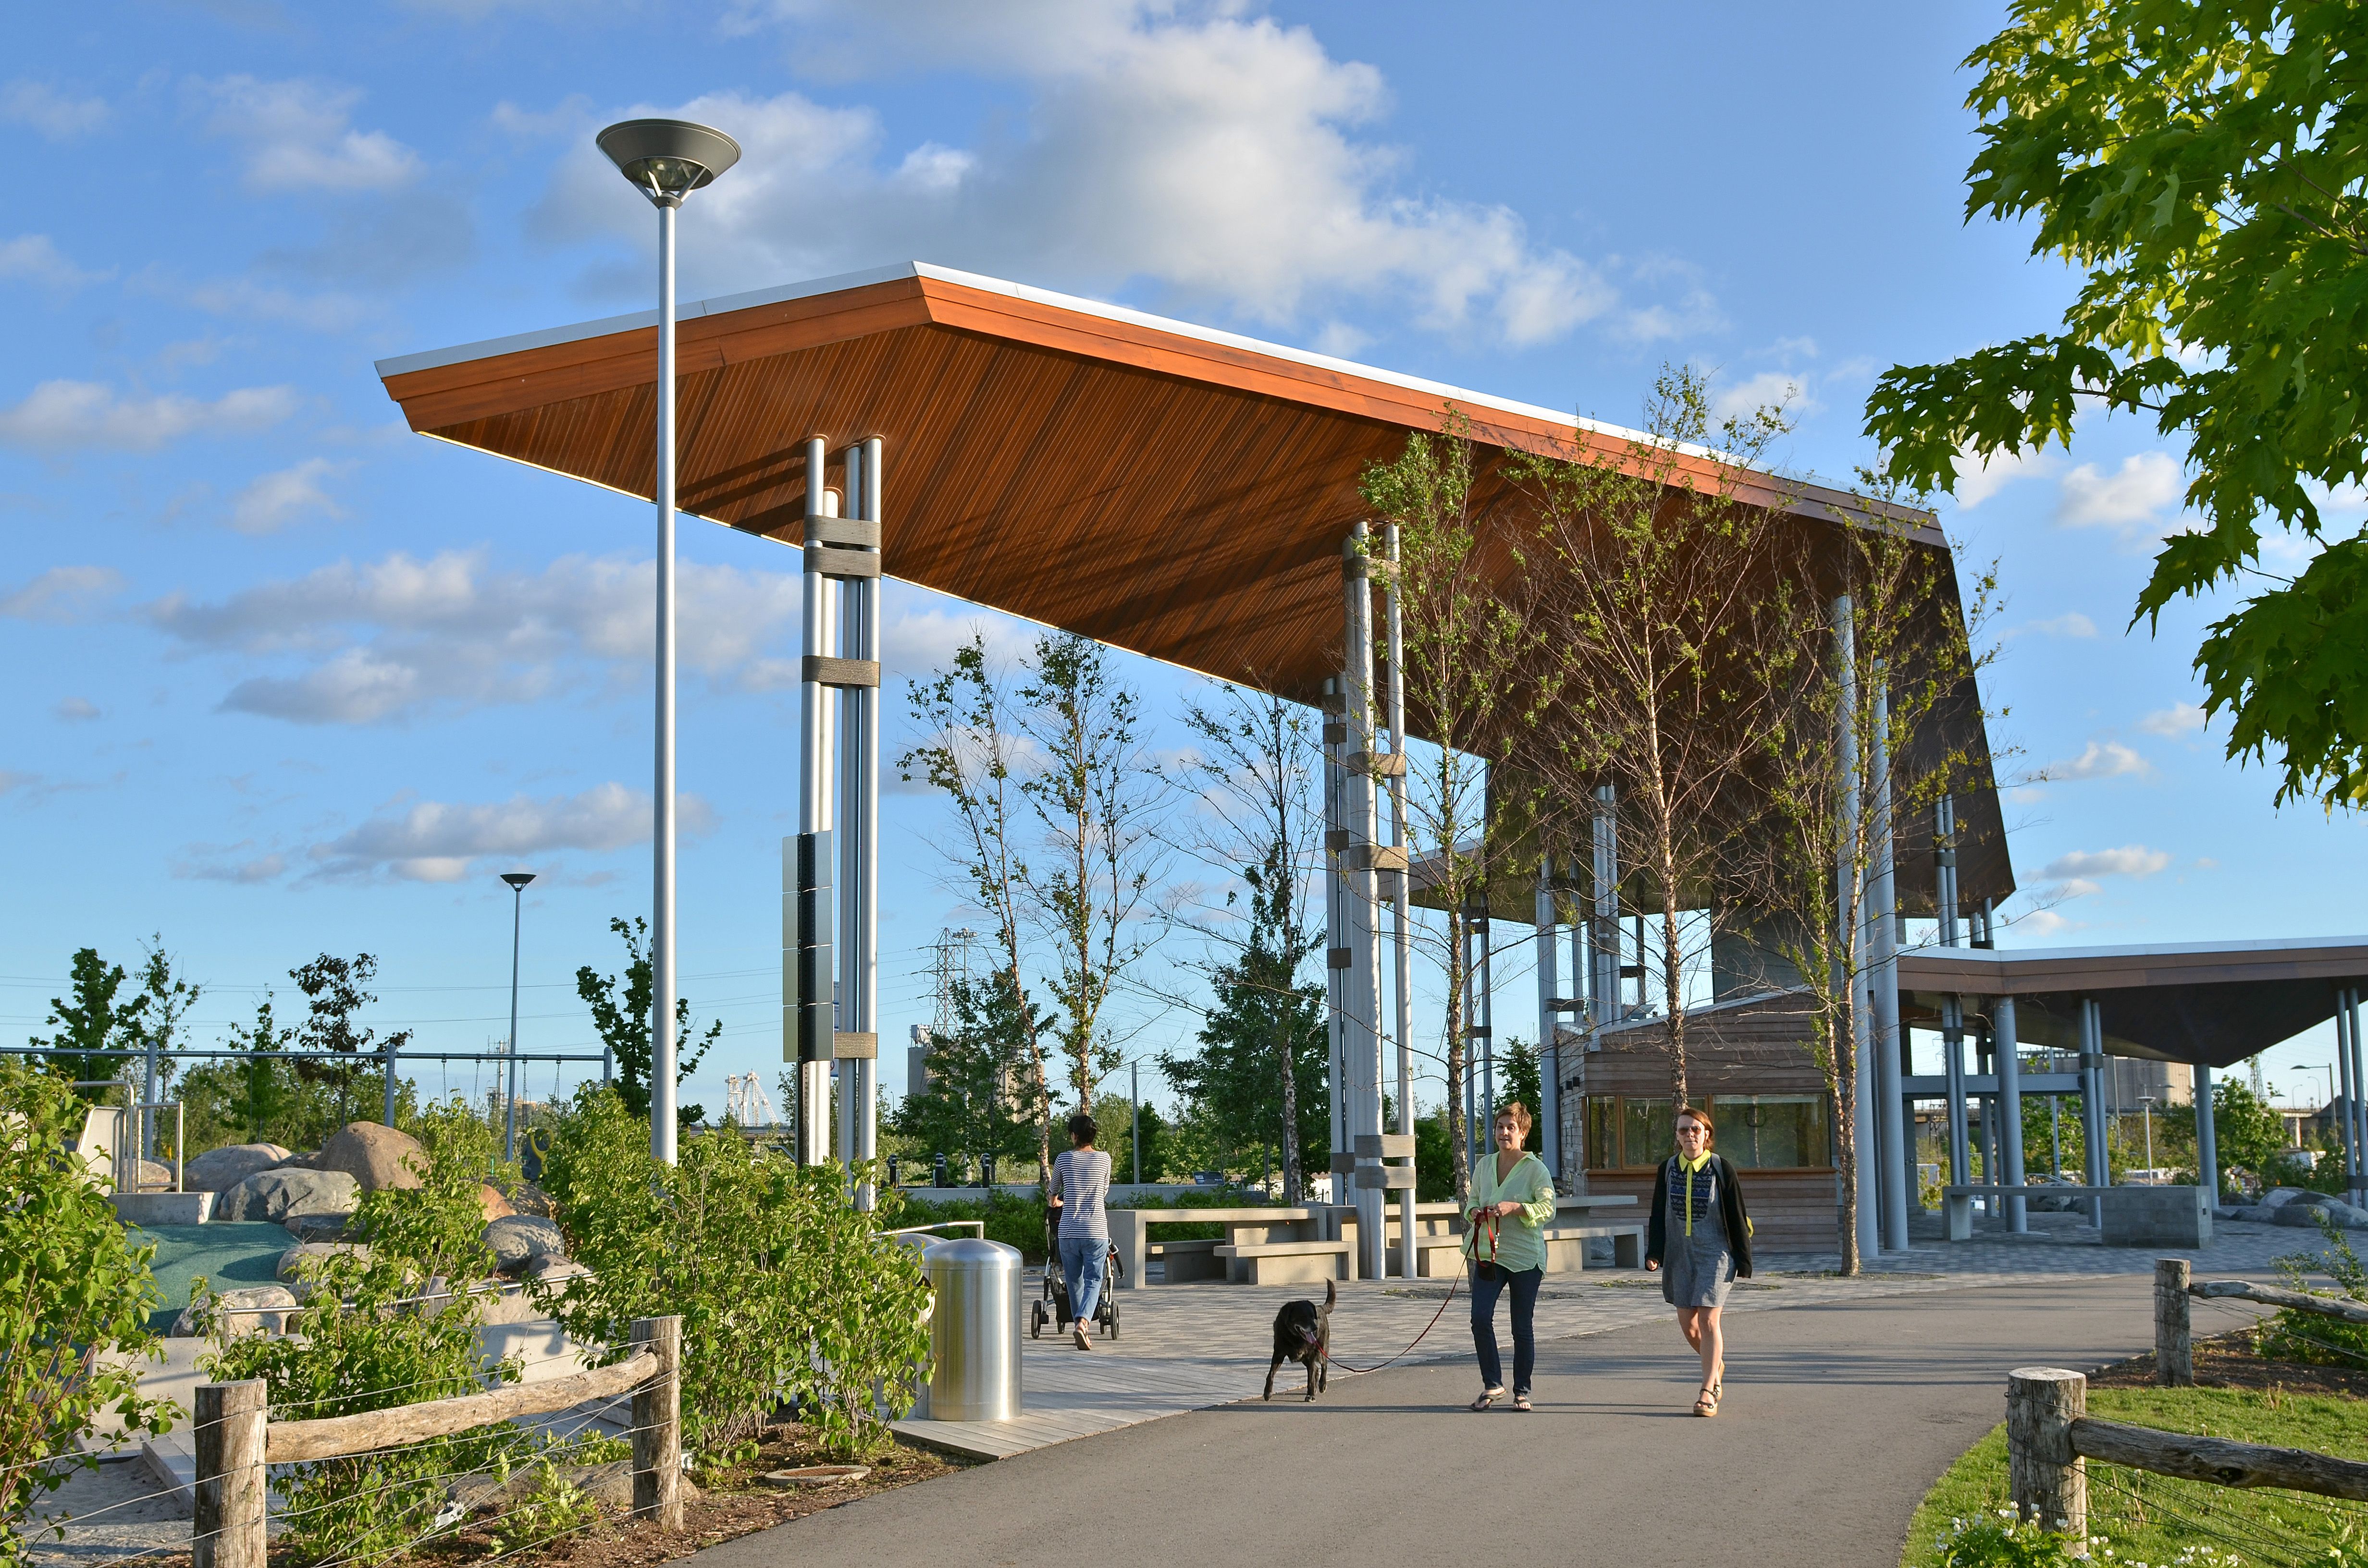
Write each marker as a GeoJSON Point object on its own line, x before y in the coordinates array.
{"type": "Point", "coordinates": [1303, 1333]}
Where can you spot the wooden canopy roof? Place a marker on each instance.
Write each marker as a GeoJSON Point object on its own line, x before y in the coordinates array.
{"type": "Point", "coordinates": [2215, 1004]}
{"type": "Point", "coordinates": [1168, 489]}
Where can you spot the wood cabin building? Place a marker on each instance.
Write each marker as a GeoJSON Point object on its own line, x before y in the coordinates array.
{"type": "Point", "coordinates": [1750, 1063]}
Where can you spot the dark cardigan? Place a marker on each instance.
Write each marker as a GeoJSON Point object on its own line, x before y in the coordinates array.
{"type": "Point", "coordinates": [1730, 1207]}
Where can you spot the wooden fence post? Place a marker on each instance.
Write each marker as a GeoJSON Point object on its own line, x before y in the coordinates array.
{"type": "Point", "coordinates": [232, 1423]}
{"type": "Point", "coordinates": [2174, 1341]}
{"type": "Point", "coordinates": [2049, 1482]}
{"type": "Point", "coordinates": [657, 1426]}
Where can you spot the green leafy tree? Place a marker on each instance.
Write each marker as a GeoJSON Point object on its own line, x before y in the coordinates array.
{"type": "Point", "coordinates": [337, 1048]}
{"type": "Point", "coordinates": [1434, 1158]}
{"type": "Point", "coordinates": [1519, 1080]}
{"type": "Point", "coordinates": [170, 997]}
{"type": "Point", "coordinates": [74, 1299]}
{"type": "Point", "coordinates": [1120, 1118]}
{"type": "Point", "coordinates": [94, 1020]}
{"type": "Point", "coordinates": [981, 1097]}
{"type": "Point", "coordinates": [2247, 1134]}
{"type": "Point", "coordinates": [623, 1022]}
{"type": "Point", "coordinates": [1232, 1085]}
{"type": "Point", "coordinates": [263, 1086]}
{"type": "Point", "coordinates": [2202, 165]}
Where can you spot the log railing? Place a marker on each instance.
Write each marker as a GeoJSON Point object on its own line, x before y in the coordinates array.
{"type": "Point", "coordinates": [2174, 1337]}
{"type": "Point", "coordinates": [2050, 1438]}
{"type": "Point", "coordinates": [236, 1439]}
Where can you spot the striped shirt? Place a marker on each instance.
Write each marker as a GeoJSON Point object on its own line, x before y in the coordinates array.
{"type": "Point", "coordinates": [1081, 1179]}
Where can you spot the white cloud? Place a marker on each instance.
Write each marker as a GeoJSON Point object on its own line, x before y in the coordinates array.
{"type": "Point", "coordinates": [1769, 389]}
{"type": "Point", "coordinates": [75, 708]}
{"type": "Point", "coordinates": [37, 258]}
{"type": "Point", "coordinates": [57, 116]}
{"type": "Point", "coordinates": [2043, 922]}
{"type": "Point", "coordinates": [2129, 501]}
{"type": "Point", "coordinates": [275, 500]}
{"type": "Point", "coordinates": [299, 136]}
{"type": "Point", "coordinates": [430, 841]}
{"type": "Point", "coordinates": [2071, 623]}
{"type": "Point", "coordinates": [62, 592]}
{"type": "Point", "coordinates": [1215, 157]}
{"type": "Point", "coordinates": [2079, 887]}
{"type": "Point", "coordinates": [390, 638]}
{"type": "Point", "coordinates": [2179, 720]}
{"type": "Point", "coordinates": [2129, 860]}
{"type": "Point", "coordinates": [231, 863]}
{"type": "Point", "coordinates": [2100, 759]}
{"type": "Point", "coordinates": [59, 415]}
{"type": "Point", "coordinates": [1977, 482]}
{"type": "Point", "coordinates": [330, 311]}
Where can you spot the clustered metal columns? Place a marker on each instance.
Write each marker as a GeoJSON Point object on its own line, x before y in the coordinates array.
{"type": "Point", "coordinates": [1585, 896]}
{"type": "Point", "coordinates": [2355, 1113]}
{"type": "Point", "coordinates": [1359, 869]}
{"type": "Point", "coordinates": [830, 871]}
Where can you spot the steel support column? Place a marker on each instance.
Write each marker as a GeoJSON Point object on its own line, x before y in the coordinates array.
{"type": "Point", "coordinates": [809, 1012]}
{"type": "Point", "coordinates": [2207, 1136]}
{"type": "Point", "coordinates": [1362, 1040]}
{"type": "Point", "coordinates": [2347, 1035]}
{"type": "Point", "coordinates": [2010, 1081]}
{"type": "Point", "coordinates": [1338, 954]}
{"type": "Point", "coordinates": [1549, 1021]}
{"type": "Point", "coordinates": [1401, 914]}
{"type": "Point", "coordinates": [859, 836]}
{"type": "Point", "coordinates": [1883, 975]}
{"type": "Point", "coordinates": [2357, 1142]}
{"type": "Point", "coordinates": [2095, 1164]}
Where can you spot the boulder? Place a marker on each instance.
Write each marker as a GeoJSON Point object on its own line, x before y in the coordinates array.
{"type": "Point", "coordinates": [2350, 1216]}
{"type": "Point", "coordinates": [375, 1155]}
{"type": "Point", "coordinates": [2253, 1213]}
{"type": "Point", "coordinates": [219, 1170]}
{"type": "Point", "coordinates": [529, 1198]}
{"type": "Point", "coordinates": [2279, 1197]}
{"type": "Point", "coordinates": [274, 1194]}
{"type": "Point", "coordinates": [147, 1175]}
{"type": "Point", "coordinates": [2300, 1213]}
{"type": "Point", "coordinates": [316, 1227]}
{"type": "Point", "coordinates": [258, 1309]}
{"type": "Point", "coordinates": [491, 1204]}
{"type": "Point", "coordinates": [292, 1261]}
{"type": "Point", "coordinates": [518, 1239]}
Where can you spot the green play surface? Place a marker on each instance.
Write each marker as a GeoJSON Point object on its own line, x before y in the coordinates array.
{"type": "Point", "coordinates": [231, 1255]}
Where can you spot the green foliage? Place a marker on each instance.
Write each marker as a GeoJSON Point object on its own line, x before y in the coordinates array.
{"type": "Point", "coordinates": [335, 1049]}
{"type": "Point", "coordinates": [1987, 1543]}
{"type": "Point", "coordinates": [785, 1289]}
{"type": "Point", "coordinates": [2200, 165]}
{"type": "Point", "coordinates": [624, 1024]}
{"type": "Point", "coordinates": [74, 1299]}
{"type": "Point", "coordinates": [980, 1099]}
{"type": "Point", "coordinates": [2249, 1135]}
{"type": "Point", "coordinates": [1520, 1078]}
{"type": "Point", "coordinates": [1119, 1120]}
{"type": "Point", "coordinates": [94, 1021]}
{"type": "Point", "coordinates": [1434, 1158]}
{"type": "Point", "coordinates": [1013, 1220]}
{"type": "Point", "coordinates": [2290, 1335]}
{"type": "Point", "coordinates": [553, 1506]}
{"type": "Point", "coordinates": [364, 1340]}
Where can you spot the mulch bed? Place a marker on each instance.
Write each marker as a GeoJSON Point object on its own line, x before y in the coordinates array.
{"type": "Point", "coordinates": [2230, 1362]}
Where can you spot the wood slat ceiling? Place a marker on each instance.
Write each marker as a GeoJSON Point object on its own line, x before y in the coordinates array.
{"type": "Point", "coordinates": [1164, 492]}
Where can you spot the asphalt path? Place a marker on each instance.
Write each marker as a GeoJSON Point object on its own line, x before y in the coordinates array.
{"type": "Point", "coordinates": [1837, 1419]}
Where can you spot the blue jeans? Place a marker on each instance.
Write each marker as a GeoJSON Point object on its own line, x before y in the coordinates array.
{"type": "Point", "coordinates": [1084, 1260]}
{"type": "Point", "coordinates": [1484, 1325]}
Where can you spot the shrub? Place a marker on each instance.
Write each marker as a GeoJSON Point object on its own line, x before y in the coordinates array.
{"type": "Point", "coordinates": [785, 1289]}
{"type": "Point", "coordinates": [365, 1340]}
{"type": "Point", "coordinates": [1013, 1220]}
{"type": "Point", "coordinates": [1989, 1544]}
{"type": "Point", "coordinates": [74, 1299]}
{"type": "Point", "coordinates": [2291, 1336]}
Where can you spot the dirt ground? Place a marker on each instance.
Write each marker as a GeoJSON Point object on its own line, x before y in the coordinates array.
{"type": "Point", "coordinates": [2229, 1361]}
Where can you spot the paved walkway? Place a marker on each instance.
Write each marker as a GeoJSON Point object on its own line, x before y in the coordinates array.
{"type": "Point", "coordinates": [1839, 1415]}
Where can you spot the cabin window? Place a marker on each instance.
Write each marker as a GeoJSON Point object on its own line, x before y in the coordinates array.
{"type": "Point", "coordinates": [1755, 1132]}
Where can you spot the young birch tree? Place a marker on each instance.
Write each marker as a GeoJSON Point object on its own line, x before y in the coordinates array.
{"type": "Point", "coordinates": [1096, 794]}
{"type": "Point", "coordinates": [1814, 858]}
{"type": "Point", "coordinates": [1470, 654]}
{"type": "Point", "coordinates": [1654, 576]}
{"type": "Point", "coordinates": [970, 750]}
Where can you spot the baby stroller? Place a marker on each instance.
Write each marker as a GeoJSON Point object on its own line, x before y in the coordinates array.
{"type": "Point", "coordinates": [1053, 1308]}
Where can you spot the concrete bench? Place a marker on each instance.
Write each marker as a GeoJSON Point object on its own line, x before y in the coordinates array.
{"type": "Point", "coordinates": [1188, 1260]}
{"type": "Point", "coordinates": [2128, 1216]}
{"type": "Point", "coordinates": [1567, 1245]}
{"type": "Point", "coordinates": [1284, 1263]}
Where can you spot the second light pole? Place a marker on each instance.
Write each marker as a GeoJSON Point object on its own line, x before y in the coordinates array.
{"type": "Point", "coordinates": [518, 881]}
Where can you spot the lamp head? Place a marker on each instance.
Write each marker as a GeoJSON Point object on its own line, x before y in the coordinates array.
{"type": "Point", "coordinates": [665, 160]}
{"type": "Point", "coordinates": [518, 880]}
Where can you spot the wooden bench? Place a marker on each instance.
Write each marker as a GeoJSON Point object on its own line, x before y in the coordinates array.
{"type": "Point", "coordinates": [1284, 1263]}
{"type": "Point", "coordinates": [1188, 1260]}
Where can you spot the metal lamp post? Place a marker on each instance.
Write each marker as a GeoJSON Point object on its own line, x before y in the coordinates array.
{"type": "Point", "coordinates": [518, 881]}
{"type": "Point", "coordinates": [665, 160]}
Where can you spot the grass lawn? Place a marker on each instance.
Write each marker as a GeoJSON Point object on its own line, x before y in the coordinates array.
{"type": "Point", "coordinates": [2153, 1520]}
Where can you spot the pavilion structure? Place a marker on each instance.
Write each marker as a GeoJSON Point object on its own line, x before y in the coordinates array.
{"type": "Point", "coordinates": [1184, 494]}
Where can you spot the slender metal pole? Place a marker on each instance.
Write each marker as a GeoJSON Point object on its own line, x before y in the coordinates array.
{"type": "Point", "coordinates": [661, 976]}
{"type": "Point", "coordinates": [817, 732]}
{"type": "Point", "coordinates": [509, 1111]}
{"type": "Point", "coordinates": [2207, 1136]}
{"type": "Point", "coordinates": [1363, 1039]}
{"type": "Point", "coordinates": [1401, 922]}
{"type": "Point", "coordinates": [1135, 1116]}
{"type": "Point", "coordinates": [1890, 1187]}
{"type": "Point", "coordinates": [387, 1070]}
{"type": "Point", "coordinates": [2359, 1110]}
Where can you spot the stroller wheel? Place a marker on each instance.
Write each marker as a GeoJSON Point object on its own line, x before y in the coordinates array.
{"type": "Point", "coordinates": [1109, 1314]}
{"type": "Point", "coordinates": [1036, 1321]}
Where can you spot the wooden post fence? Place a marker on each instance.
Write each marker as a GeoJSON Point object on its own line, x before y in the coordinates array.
{"type": "Point", "coordinates": [2174, 1337]}
{"type": "Point", "coordinates": [236, 1440]}
{"type": "Point", "coordinates": [2049, 1437]}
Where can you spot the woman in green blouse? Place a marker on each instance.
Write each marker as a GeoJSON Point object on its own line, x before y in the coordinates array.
{"type": "Point", "coordinates": [1512, 1201]}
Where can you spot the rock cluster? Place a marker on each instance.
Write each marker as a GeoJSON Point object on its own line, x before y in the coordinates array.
{"type": "Point", "coordinates": [2299, 1208]}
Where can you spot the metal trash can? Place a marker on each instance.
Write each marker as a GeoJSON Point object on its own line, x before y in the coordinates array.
{"type": "Point", "coordinates": [974, 1331]}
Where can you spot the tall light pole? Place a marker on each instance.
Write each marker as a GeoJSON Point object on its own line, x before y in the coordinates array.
{"type": "Point", "coordinates": [665, 160]}
{"type": "Point", "coordinates": [518, 881]}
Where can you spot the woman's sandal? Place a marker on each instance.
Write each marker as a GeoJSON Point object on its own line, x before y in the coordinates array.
{"type": "Point", "coordinates": [1521, 1403]}
{"type": "Point", "coordinates": [1487, 1397]}
{"type": "Point", "coordinates": [1708, 1404]}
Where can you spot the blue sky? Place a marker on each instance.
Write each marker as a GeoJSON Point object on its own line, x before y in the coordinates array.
{"type": "Point", "coordinates": [288, 678]}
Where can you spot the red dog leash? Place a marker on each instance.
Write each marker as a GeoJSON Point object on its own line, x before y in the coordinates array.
{"type": "Point", "coordinates": [1490, 1223]}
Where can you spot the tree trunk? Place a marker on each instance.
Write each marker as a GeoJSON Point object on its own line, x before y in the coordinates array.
{"type": "Point", "coordinates": [1460, 1163]}
{"type": "Point", "coordinates": [1673, 982]}
{"type": "Point", "coordinates": [1842, 1042]}
{"type": "Point", "coordinates": [1290, 1179]}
